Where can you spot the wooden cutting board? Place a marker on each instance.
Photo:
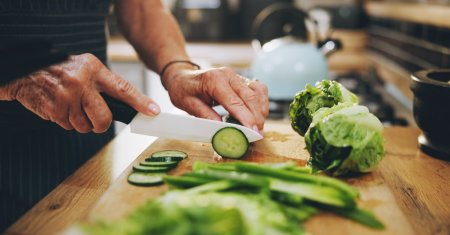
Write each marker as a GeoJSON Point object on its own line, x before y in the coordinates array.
{"type": "Point", "coordinates": [408, 191]}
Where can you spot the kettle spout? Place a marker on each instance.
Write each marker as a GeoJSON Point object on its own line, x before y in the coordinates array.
{"type": "Point", "coordinates": [328, 46]}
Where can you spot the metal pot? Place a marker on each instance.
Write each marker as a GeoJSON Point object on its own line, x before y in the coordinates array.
{"type": "Point", "coordinates": [431, 108]}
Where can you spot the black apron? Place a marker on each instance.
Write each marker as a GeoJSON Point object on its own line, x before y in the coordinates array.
{"type": "Point", "coordinates": [36, 155]}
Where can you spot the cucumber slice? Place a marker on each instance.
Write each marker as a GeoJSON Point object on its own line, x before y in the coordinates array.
{"type": "Point", "coordinates": [145, 179]}
{"type": "Point", "coordinates": [230, 142]}
{"type": "Point", "coordinates": [157, 164]}
{"type": "Point", "coordinates": [170, 153]}
{"type": "Point", "coordinates": [149, 169]}
{"type": "Point", "coordinates": [164, 159]}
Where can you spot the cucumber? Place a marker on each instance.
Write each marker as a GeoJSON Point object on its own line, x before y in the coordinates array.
{"type": "Point", "coordinates": [145, 179]}
{"type": "Point", "coordinates": [164, 164]}
{"type": "Point", "coordinates": [170, 153]}
{"type": "Point", "coordinates": [164, 159]}
{"type": "Point", "coordinates": [151, 171]}
{"type": "Point", "coordinates": [148, 169]}
{"type": "Point", "coordinates": [230, 142]}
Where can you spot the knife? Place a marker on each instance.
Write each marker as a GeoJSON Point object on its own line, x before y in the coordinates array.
{"type": "Point", "coordinates": [173, 126]}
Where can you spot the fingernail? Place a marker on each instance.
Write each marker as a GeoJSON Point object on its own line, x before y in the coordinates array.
{"type": "Point", "coordinates": [154, 108]}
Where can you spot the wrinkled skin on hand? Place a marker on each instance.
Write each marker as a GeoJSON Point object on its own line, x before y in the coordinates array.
{"type": "Point", "coordinates": [69, 94]}
{"type": "Point", "coordinates": [196, 91]}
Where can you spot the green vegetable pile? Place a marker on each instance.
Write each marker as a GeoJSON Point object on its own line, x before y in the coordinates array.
{"type": "Point", "coordinates": [325, 94]}
{"type": "Point", "coordinates": [240, 199]}
{"type": "Point", "coordinates": [341, 136]}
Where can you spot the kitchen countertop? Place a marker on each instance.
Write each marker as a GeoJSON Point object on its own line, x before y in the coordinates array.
{"type": "Point", "coordinates": [240, 54]}
{"type": "Point", "coordinates": [408, 191]}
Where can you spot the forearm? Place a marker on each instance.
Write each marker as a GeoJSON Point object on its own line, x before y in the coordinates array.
{"type": "Point", "coordinates": [153, 32]}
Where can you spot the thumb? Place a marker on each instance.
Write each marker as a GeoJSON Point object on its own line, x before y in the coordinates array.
{"type": "Point", "coordinates": [121, 89]}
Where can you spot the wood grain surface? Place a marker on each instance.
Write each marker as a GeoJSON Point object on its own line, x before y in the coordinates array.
{"type": "Point", "coordinates": [408, 191]}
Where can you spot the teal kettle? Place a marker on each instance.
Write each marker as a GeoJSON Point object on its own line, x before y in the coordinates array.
{"type": "Point", "coordinates": [286, 62]}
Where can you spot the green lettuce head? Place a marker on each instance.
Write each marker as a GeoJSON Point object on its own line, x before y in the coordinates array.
{"type": "Point", "coordinates": [326, 93]}
{"type": "Point", "coordinates": [345, 138]}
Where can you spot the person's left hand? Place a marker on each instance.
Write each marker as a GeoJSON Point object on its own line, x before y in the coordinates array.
{"type": "Point", "coordinates": [195, 91]}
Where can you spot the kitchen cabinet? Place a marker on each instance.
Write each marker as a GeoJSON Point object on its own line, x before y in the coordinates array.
{"type": "Point", "coordinates": [408, 191]}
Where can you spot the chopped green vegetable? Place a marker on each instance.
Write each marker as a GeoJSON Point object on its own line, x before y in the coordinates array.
{"type": "Point", "coordinates": [185, 181]}
{"type": "Point", "coordinates": [358, 215]}
{"type": "Point", "coordinates": [238, 177]}
{"type": "Point", "coordinates": [345, 138]}
{"type": "Point", "coordinates": [312, 192]}
{"type": "Point", "coordinates": [296, 176]}
{"type": "Point", "coordinates": [240, 198]}
{"type": "Point", "coordinates": [325, 94]}
{"type": "Point", "coordinates": [209, 213]}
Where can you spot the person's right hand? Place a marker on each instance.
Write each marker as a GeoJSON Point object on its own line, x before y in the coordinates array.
{"type": "Point", "coordinates": [69, 94]}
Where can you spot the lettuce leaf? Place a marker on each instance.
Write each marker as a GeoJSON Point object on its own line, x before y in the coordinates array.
{"type": "Point", "coordinates": [326, 93]}
{"type": "Point", "coordinates": [345, 138]}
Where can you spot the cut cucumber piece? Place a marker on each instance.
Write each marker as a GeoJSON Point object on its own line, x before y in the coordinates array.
{"type": "Point", "coordinates": [145, 179]}
{"type": "Point", "coordinates": [170, 153]}
{"type": "Point", "coordinates": [230, 142]}
{"type": "Point", "coordinates": [164, 159]}
{"type": "Point", "coordinates": [148, 169]}
{"type": "Point", "coordinates": [157, 164]}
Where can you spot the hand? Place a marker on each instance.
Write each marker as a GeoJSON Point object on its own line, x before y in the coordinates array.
{"type": "Point", "coordinates": [195, 91]}
{"type": "Point", "coordinates": [69, 94]}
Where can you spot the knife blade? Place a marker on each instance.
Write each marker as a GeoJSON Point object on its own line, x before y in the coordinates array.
{"type": "Point", "coordinates": [183, 127]}
{"type": "Point", "coordinates": [173, 126]}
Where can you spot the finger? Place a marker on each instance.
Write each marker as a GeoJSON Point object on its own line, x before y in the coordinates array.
{"type": "Point", "coordinates": [97, 111]}
{"type": "Point", "coordinates": [79, 119]}
{"type": "Point", "coordinates": [263, 95]}
{"type": "Point", "coordinates": [122, 90]}
{"type": "Point", "coordinates": [56, 115]}
{"type": "Point", "coordinates": [57, 112]}
{"type": "Point", "coordinates": [198, 108]}
{"type": "Point", "coordinates": [250, 98]}
{"type": "Point", "coordinates": [60, 116]}
{"type": "Point", "coordinates": [232, 102]}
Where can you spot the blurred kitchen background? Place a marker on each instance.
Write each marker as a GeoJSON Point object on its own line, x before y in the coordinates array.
{"type": "Point", "coordinates": [380, 44]}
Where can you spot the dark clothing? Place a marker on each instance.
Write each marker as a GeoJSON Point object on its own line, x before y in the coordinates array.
{"type": "Point", "coordinates": [74, 26]}
{"type": "Point", "coordinates": [37, 155]}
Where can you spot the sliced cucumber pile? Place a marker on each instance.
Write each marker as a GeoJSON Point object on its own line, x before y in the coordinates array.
{"type": "Point", "coordinates": [230, 142]}
{"type": "Point", "coordinates": [150, 172]}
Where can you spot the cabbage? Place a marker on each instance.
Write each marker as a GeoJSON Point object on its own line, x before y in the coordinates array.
{"type": "Point", "coordinates": [345, 138]}
{"type": "Point", "coordinates": [326, 93]}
